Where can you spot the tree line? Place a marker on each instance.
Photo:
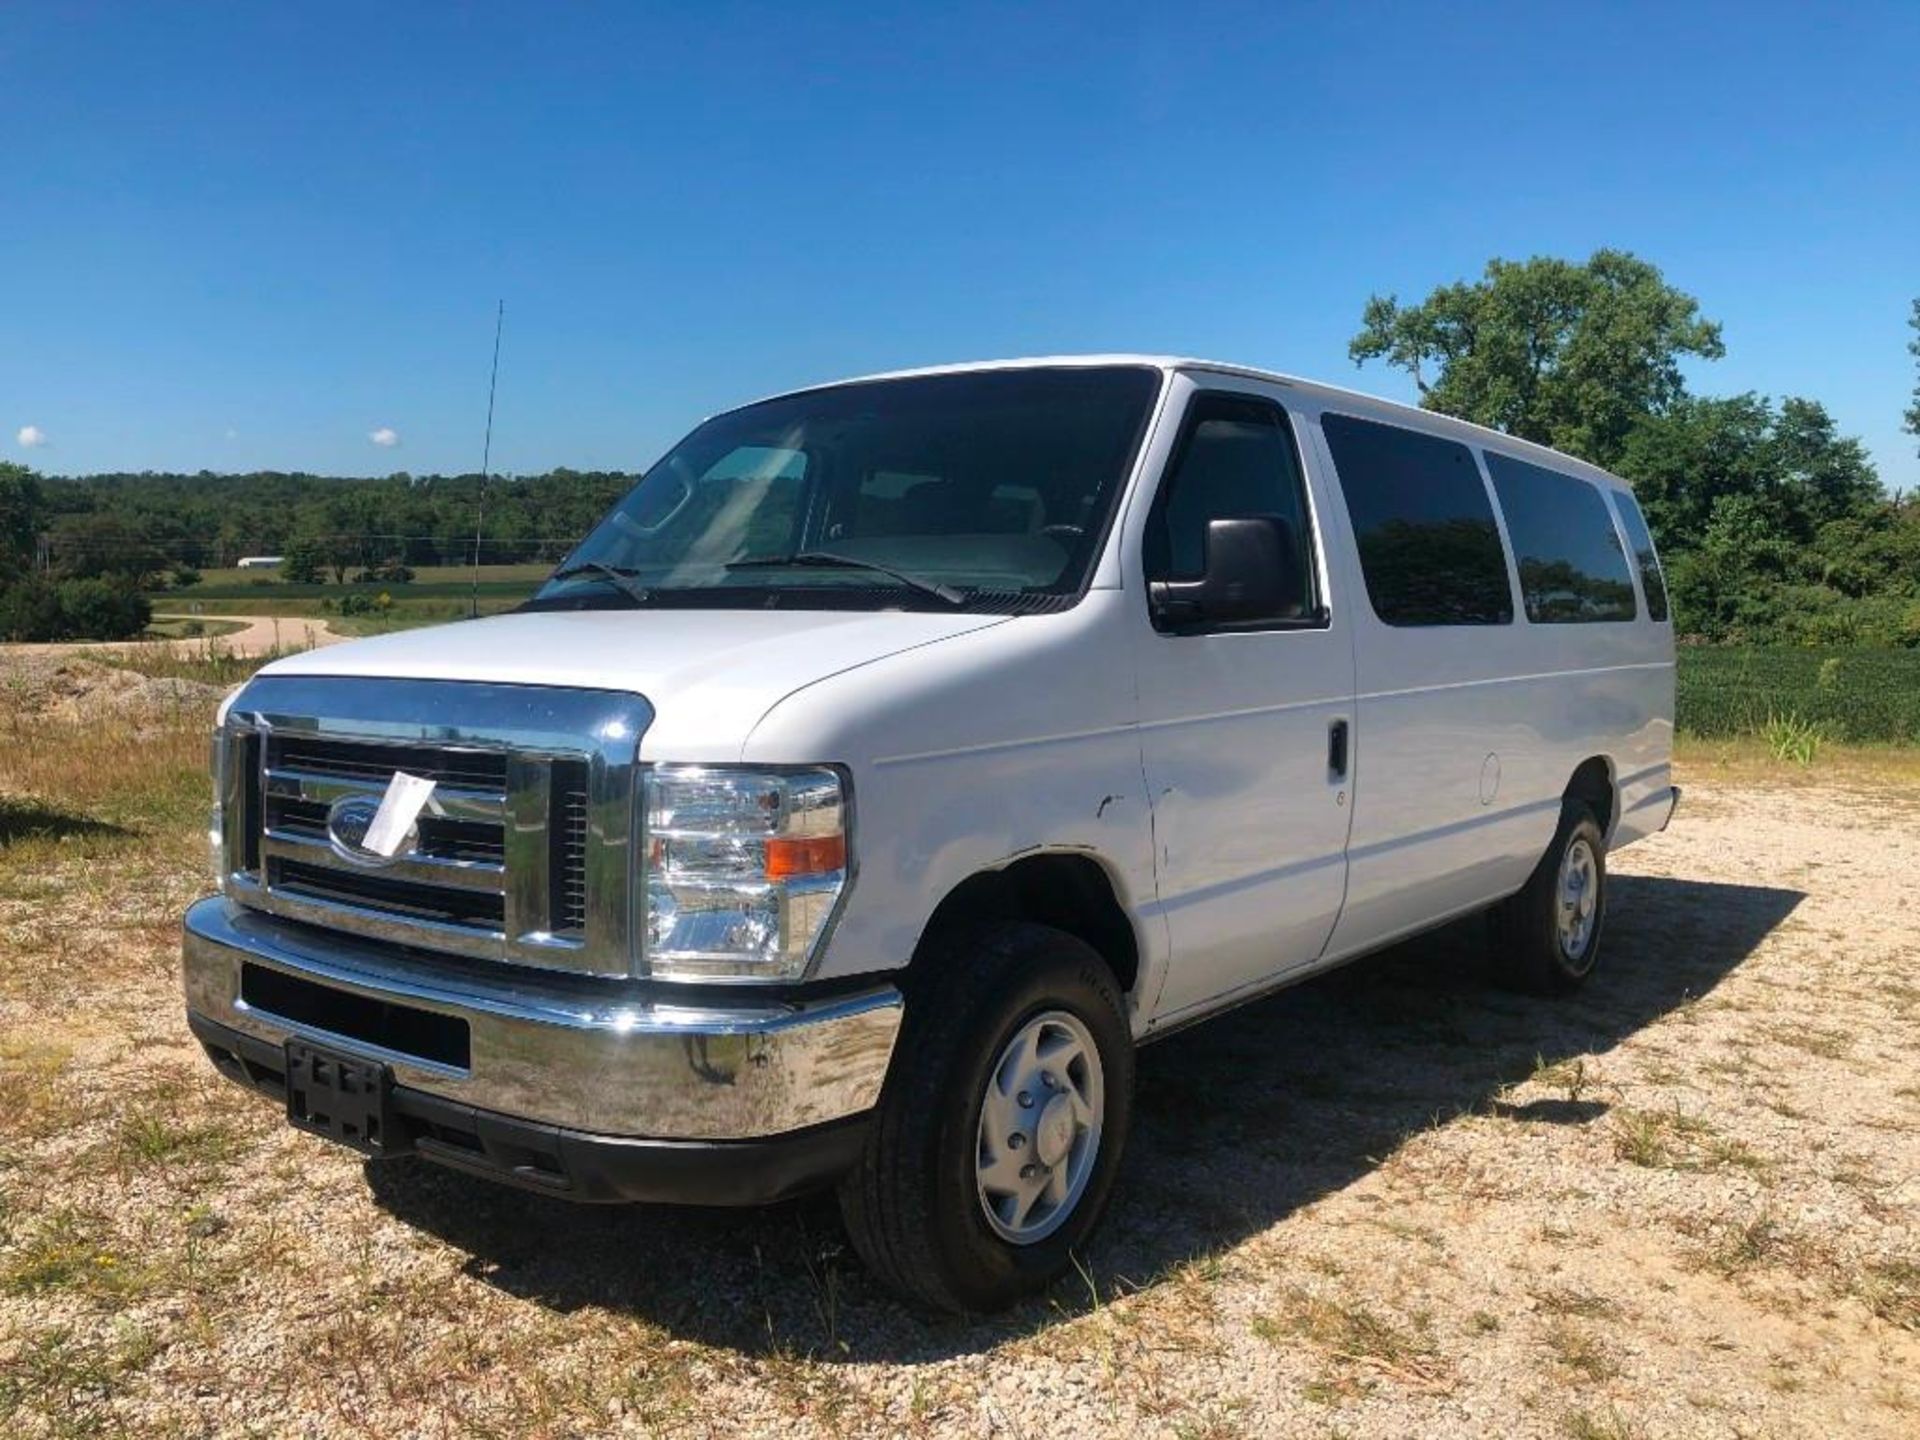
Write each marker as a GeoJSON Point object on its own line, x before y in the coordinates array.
{"type": "Point", "coordinates": [1773, 526]}
{"type": "Point", "coordinates": [77, 554]}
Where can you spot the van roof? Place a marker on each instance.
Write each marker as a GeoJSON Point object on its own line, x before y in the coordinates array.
{"type": "Point", "coordinates": [1336, 395]}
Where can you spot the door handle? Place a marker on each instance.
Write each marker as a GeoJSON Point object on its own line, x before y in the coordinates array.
{"type": "Point", "coordinates": [1337, 750]}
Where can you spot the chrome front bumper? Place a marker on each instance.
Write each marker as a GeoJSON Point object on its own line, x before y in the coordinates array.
{"type": "Point", "coordinates": [586, 1055]}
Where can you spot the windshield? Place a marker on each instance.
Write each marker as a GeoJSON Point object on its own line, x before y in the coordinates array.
{"type": "Point", "coordinates": [977, 490]}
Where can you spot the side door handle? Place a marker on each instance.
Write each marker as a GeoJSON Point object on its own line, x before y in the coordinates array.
{"type": "Point", "coordinates": [1337, 750]}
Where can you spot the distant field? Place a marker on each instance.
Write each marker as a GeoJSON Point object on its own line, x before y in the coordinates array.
{"type": "Point", "coordinates": [428, 581]}
{"type": "Point", "coordinates": [437, 593]}
{"type": "Point", "coordinates": [1855, 696]}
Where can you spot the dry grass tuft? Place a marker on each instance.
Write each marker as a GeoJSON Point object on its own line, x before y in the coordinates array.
{"type": "Point", "coordinates": [1358, 1336]}
{"type": "Point", "coordinates": [1891, 1289]}
{"type": "Point", "coordinates": [1581, 1351]}
{"type": "Point", "coordinates": [1600, 1425]}
{"type": "Point", "coordinates": [1672, 1139]}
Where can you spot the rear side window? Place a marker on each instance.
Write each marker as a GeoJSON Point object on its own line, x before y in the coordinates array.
{"type": "Point", "coordinates": [1571, 566]}
{"type": "Point", "coordinates": [1429, 547]}
{"type": "Point", "coordinates": [1235, 460]}
{"type": "Point", "coordinates": [1651, 580]}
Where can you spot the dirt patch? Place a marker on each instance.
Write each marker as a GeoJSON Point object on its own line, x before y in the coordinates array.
{"type": "Point", "coordinates": [44, 687]}
{"type": "Point", "coordinates": [1391, 1202]}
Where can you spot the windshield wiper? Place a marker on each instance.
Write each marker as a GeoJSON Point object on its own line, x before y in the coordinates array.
{"type": "Point", "coordinates": [826, 559]}
{"type": "Point", "coordinates": [618, 576]}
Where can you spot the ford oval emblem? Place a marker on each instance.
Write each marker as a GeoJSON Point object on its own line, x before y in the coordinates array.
{"type": "Point", "coordinates": [348, 820]}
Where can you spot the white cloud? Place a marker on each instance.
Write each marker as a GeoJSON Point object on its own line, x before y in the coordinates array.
{"type": "Point", "coordinates": [386, 437]}
{"type": "Point", "coordinates": [31, 437]}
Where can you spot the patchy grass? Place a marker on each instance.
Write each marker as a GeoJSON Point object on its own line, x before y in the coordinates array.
{"type": "Point", "coordinates": [66, 1250]}
{"type": "Point", "coordinates": [64, 1375]}
{"type": "Point", "coordinates": [62, 781]}
{"type": "Point", "coordinates": [1580, 1351]}
{"type": "Point", "coordinates": [1571, 1300]}
{"type": "Point", "coordinates": [166, 1140]}
{"type": "Point", "coordinates": [34, 1093]}
{"type": "Point", "coordinates": [1356, 1335]}
{"type": "Point", "coordinates": [1723, 761]}
{"type": "Point", "coordinates": [1608, 1424]}
{"type": "Point", "coordinates": [1827, 1044]}
{"type": "Point", "coordinates": [208, 662]}
{"type": "Point", "coordinates": [1891, 1289]}
{"type": "Point", "coordinates": [1672, 1139]}
{"type": "Point", "coordinates": [1329, 1221]}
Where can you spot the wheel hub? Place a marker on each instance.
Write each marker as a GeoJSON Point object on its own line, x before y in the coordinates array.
{"type": "Point", "coordinates": [1053, 1136]}
{"type": "Point", "coordinates": [1578, 896]}
{"type": "Point", "coordinates": [1040, 1123]}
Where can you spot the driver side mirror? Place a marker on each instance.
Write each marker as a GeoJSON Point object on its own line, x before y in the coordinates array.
{"type": "Point", "coordinates": [1250, 575]}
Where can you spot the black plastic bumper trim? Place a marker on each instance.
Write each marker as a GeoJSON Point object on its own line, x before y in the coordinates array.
{"type": "Point", "coordinates": [404, 1029]}
{"type": "Point", "coordinates": [574, 1164]}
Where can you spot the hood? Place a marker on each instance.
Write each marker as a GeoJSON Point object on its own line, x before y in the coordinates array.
{"type": "Point", "coordinates": [709, 674]}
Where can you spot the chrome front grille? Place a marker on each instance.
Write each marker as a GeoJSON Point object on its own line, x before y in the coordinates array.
{"type": "Point", "coordinates": [304, 777]}
{"type": "Point", "coordinates": [480, 771]}
{"type": "Point", "coordinates": [523, 854]}
{"type": "Point", "coordinates": [568, 860]}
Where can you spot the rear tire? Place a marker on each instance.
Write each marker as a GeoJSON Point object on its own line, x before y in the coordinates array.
{"type": "Point", "coordinates": [997, 1137]}
{"type": "Point", "coordinates": [1546, 939]}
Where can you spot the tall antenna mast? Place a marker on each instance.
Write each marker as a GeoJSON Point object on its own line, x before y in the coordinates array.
{"type": "Point", "coordinates": [486, 462]}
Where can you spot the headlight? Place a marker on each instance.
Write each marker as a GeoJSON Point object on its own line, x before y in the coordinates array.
{"type": "Point", "coordinates": [744, 868]}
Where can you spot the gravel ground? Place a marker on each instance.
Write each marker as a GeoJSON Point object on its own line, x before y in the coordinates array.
{"type": "Point", "coordinates": [1391, 1202]}
{"type": "Point", "coordinates": [257, 635]}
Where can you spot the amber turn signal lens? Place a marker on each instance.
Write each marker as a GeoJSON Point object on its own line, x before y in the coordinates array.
{"type": "Point", "coordinates": [788, 856]}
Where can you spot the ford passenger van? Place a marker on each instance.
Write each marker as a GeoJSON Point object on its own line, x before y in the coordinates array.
{"type": "Point", "coordinates": [897, 757]}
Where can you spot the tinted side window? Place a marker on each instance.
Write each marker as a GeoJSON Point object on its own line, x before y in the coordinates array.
{"type": "Point", "coordinates": [1651, 580]}
{"type": "Point", "coordinates": [1564, 544]}
{"type": "Point", "coordinates": [1235, 459]}
{"type": "Point", "coordinates": [1429, 547]}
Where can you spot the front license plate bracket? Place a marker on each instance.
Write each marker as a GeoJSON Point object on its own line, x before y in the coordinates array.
{"type": "Point", "coordinates": [343, 1098]}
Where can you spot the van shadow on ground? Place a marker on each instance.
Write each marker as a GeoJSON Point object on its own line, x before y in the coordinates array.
{"type": "Point", "coordinates": [22, 819]}
{"type": "Point", "coordinates": [1239, 1122]}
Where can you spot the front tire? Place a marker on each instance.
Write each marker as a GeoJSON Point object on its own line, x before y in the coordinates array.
{"type": "Point", "coordinates": [995, 1144]}
{"type": "Point", "coordinates": [1546, 939]}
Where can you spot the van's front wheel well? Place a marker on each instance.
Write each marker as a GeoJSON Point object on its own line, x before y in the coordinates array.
{"type": "Point", "coordinates": [1067, 892]}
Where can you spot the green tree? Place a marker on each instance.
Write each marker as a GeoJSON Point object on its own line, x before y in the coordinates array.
{"type": "Point", "coordinates": [97, 544]}
{"type": "Point", "coordinates": [104, 608]}
{"type": "Point", "coordinates": [22, 512]}
{"type": "Point", "coordinates": [1913, 349]}
{"type": "Point", "coordinates": [30, 610]}
{"type": "Point", "coordinates": [1569, 355]}
{"type": "Point", "coordinates": [1684, 461]}
{"type": "Point", "coordinates": [1824, 475]}
{"type": "Point", "coordinates": [1790, 461]}
{"type": "Point", "coordinates": [303, 562]}
{"type": "Point", "coordinates": [35, 608]}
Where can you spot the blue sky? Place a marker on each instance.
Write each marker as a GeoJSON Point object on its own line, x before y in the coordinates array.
{"type": "Point", "coordinates": [244, 235]}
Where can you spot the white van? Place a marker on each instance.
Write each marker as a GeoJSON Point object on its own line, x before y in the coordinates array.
{"type": "Point", "coordinates": [902, 753]}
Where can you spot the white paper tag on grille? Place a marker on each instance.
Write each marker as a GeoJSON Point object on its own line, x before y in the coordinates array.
{"type": "Point", "coordinates": [406, 796]}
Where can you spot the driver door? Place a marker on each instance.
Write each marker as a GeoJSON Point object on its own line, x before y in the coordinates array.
{"type": "Point", "coordinates": [1245, 729]}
